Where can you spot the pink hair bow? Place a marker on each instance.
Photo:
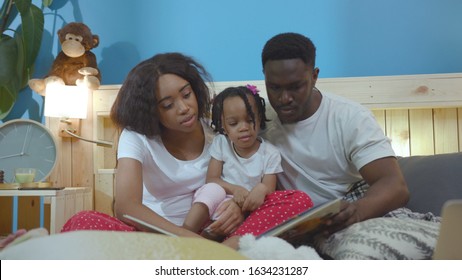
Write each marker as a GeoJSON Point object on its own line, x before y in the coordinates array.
{"type": "Point", "coordinates": [253, 89]}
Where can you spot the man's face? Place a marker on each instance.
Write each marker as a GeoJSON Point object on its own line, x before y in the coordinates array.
{"type": "Point", "coordinates": [289, 84]}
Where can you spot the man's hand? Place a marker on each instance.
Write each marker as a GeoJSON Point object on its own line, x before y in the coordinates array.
{"type": "Point", "coordinates": [347, 216]}
{"type": "Point", "coordinates": [230, 218]}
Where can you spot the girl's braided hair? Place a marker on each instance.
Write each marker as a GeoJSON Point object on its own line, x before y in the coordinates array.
{"type": "Point", "coordinates": [243, 92]}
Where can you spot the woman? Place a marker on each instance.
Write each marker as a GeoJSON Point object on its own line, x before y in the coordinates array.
{"type": "Point", "coordinates": [163, 149]}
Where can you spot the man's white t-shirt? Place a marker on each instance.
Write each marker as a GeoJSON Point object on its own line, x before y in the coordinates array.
{"type": "Point", "coordinates": [321, 155]}
{"type": "Point", "coordinates": [245, 172]}
{"type": "Point", "coordinates": [168, 183]}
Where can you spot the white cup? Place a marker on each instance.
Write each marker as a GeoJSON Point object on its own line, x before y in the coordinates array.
{"type": "Point", "coordinates": [24, 175]}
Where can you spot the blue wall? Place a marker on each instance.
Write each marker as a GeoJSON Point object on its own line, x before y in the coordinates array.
{"type": "Point", "coordinates": [353, 37]}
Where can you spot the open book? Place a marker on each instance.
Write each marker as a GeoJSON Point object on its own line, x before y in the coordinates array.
{"type": "Point", "coordinates": [146, 226]}
{"type": "Point", "coordinates": [307, 223]}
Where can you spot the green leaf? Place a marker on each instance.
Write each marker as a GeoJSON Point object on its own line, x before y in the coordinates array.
{"type": "Point", "coordinates": [7, 100]}
{"type": "Point", "coordinates": [32, 30]}
{"type": "Point", "coordinates": [13, 13]}
{"type": "Point", "coordinates": [22, 70]}
{"type": "Point", "coordinates": [47, 3]}
{"type": "Point", "coordinates": [9, 58]}
{"type": "Point", "coordinates": [23, 5]}
{"type": "Point", "coordinates": [3, 9]}
{"type": "Point", "coordinates": [18, 54]}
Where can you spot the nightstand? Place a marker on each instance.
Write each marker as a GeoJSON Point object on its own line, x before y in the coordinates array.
{"type": "Point", "coordinates": [63, 204]}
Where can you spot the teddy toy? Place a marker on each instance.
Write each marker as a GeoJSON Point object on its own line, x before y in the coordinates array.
{"type": "Point", "coordinates": [274, 248]}
{"type": "Point", "coordinates": [75, 64]}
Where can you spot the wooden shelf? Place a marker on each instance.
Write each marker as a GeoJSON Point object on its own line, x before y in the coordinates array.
{"type": "Point", "coordinates": [63, 203]}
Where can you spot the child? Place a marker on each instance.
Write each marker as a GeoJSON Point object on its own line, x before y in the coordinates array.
{"type": "Point", "coordinates": [242, 165]}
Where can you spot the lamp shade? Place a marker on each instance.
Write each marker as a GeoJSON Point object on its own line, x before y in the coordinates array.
{"type": "Point", "coordinates": [65, 101]}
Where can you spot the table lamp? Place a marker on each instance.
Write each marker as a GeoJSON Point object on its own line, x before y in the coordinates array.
{"type": "Point", "coordinates": [69, 103]}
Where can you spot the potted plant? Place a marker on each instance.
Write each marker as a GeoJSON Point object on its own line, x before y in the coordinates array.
{"type": "Point", "coordinates": [18, 48]}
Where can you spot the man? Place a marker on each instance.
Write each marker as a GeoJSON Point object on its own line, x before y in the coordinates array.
{"type": "Point", "coordinates": [328, 144]}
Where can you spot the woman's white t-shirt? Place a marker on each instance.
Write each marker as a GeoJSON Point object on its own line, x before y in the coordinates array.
{"type": "Point", "coordinates": [168, 183]}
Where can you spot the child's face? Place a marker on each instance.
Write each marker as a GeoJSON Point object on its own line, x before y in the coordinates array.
{"type": "Point", "coordinates": [177, 104]}
{"type": "Point", "coordinates": [238, 125]}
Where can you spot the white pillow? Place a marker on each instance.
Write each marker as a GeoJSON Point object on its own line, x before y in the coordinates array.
{"type": "Point", "coordinates": [382, 238]}
{"type": "Point", "coordinates": [117, 245]}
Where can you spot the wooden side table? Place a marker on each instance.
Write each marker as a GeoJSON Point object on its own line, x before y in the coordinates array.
{"type": "Point", "coordinates": [63, 203]}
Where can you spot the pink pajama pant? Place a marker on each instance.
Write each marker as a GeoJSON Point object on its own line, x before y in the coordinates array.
{"type": "Point", "coordinates": [212, 195]}
{"type": "Point", "coordinates": [277, 208]}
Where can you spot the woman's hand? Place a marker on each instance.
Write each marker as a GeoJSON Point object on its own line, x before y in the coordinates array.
{"type": "Point", "coordinates": [230, 218]}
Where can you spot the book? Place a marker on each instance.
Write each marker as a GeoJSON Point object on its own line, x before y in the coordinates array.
{"type": "Point", "coordinates": [147, 226]}
{"type": "Point", "coordinates": [307, 223]}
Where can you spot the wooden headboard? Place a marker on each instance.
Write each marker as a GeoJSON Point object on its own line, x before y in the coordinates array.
{"type": "Point", "coordinates": [422, 114]}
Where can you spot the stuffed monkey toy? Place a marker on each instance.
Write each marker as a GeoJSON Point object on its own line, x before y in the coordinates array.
{"type": "Point", "coordinates": [75, 64]}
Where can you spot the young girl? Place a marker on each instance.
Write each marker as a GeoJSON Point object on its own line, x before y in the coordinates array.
{"type": "Point", "coordinates": [242, 163]}
{"type": "Point", "coordinates": [163, 149]}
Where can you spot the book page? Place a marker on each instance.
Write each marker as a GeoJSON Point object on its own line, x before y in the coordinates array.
{"type": "Point", "coordinates": [306, 223]}
{"type": "Point", "coordinates": [146, 226]}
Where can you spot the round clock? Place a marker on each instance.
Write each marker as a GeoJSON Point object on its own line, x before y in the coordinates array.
{"type": "Point", "coordinates": [26, 143]}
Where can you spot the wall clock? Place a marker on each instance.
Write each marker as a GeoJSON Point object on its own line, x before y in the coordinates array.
{"type": "Point", "coordinates": [27, 143]}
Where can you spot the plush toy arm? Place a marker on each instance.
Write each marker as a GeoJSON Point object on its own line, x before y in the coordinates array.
{"type": "Point", "coordinates": [90, 61]}
{"type": "Point", "coordinates": [90, 82]}
{"type": "Point", "coordinates": [91, 76]}
{"type": "Point", "coordinates": [90, 79]}
{"type": "Point", "coordinates": [88, 71]}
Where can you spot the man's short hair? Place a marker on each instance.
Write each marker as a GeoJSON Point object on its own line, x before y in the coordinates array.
{"type": "Point", "coordinates": [289, 46]}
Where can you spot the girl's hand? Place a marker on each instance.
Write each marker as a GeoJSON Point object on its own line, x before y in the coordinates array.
{"type": "Point", "coordinates": [239, 195]}
{"type": "Point", "coordinates": [255, 198]}
{"type": "Point", "coordinates": [230, 218]}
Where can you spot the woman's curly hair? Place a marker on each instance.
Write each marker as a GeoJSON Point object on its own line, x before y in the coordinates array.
{"type": "Point", "coordinates": [135, 107]}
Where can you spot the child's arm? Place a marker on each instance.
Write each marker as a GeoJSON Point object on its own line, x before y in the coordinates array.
{"type": "Point", "coordinates": [257, 195]}
{"type": "Point", "coordinates": [214, 176]}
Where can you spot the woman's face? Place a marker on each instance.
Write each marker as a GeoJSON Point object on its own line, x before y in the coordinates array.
{"type": "Point", "coordinates": [176, 103]}
{"type": "Point", "coordinates": [238, 125]}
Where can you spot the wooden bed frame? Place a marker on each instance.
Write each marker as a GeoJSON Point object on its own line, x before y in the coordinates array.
{"type": "Point", "coordinates": [422, 114]}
